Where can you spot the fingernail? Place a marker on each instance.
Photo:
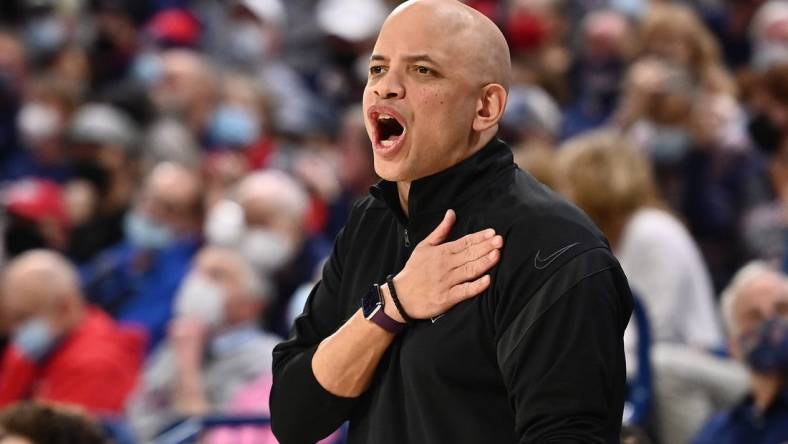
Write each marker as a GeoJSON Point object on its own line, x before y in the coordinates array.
{"type": "Point", "coordinates": [493, 254]}
{"type": "Point", "coordinates": [489, 233]}
{"type": "Point", "coordinates": [497, 242]}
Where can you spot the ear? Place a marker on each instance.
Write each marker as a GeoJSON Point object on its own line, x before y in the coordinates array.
{"type": "Point", "coordinates": [489, 107]}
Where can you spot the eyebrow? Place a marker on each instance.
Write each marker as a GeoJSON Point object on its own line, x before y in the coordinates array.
{"type": "Point", "coordinates": [408, 58]}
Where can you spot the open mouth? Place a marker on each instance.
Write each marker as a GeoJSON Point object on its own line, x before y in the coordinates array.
{"type": "Point", "coordinates": [389, 129]}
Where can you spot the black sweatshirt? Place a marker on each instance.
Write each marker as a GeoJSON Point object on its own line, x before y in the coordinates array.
{"type": "Point", "coordinates": [537, 357]}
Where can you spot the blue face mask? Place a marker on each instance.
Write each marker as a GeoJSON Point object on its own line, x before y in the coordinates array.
{"type": "Point", "coordinates": [34, 339]}
{"type": "Point", "coordinates": [233, 127]}
{"type": "Point", "coordinates": [766, 348]}
{"type": "Point", "coordinates": [146, 234]}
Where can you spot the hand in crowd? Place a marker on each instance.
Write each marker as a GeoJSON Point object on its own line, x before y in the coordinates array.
{"type": "Point", "coordinates": [187, 337]}
{"type": "Point", "coordinates": [440, 274]}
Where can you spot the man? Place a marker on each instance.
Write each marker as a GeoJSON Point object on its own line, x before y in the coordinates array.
{"type": "Point", "coordinates": [62, 350]}
{"type": "Point", "coordinates": [213, 347]}
{"type": "Point", "coordinates": [755, 308]}
{"type": "Point", "coordinates": [102, 143]}
{"type": "Point", "coordinates": [42, 423]}
{"type": "Point", "coordinates": [36, 216]}
{"type": "Point", "coordinates": [135, 281]}
{"type": "Point", "coordinates": [537, 355]}
{"type": "Point", "coordinates": [265, 222]}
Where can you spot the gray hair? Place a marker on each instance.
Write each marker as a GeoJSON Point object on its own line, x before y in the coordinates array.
{"type": "Point", "coordinates": [741, 280]}
{"type": "Point", "coordinates": [277, 187]}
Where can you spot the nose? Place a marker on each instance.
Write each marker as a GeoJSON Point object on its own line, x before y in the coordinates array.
{"type": "Point", "coordinates": [390, 87]}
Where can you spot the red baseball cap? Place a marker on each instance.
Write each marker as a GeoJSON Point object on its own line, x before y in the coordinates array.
{"type": "Point", "coordinates": [36, 199]}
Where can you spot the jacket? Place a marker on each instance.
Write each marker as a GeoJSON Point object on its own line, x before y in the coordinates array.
{"type": "Point", "coordinates": [538, 356]}
{"type": "Point", "coordinates": [95, 366]}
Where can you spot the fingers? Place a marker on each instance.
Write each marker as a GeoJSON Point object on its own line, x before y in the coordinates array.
{"type": "Point", "coordinates": [467, 290]}
{"type": "Point", "coordinates": [475, 251]}
{"type": "Point", "coordinates": [469, 240]}
{"type": "Point", "coordinates": [440, 232]}
{"type": "Point", "coordinates": [473, 269]}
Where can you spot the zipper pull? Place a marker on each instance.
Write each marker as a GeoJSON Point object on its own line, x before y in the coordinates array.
{"type": "Point", "coordinates": [407, 239]}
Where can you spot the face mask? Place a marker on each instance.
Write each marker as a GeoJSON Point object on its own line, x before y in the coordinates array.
{"type": "Point", "coordinates": [34, 339]}
{"type": "Point", "coordinates": [766, 349]}
{"type": "Point", "coordinates": [45, 35]}
{"type": "Point", "coordinates": [769, 54]}
{"type": "Point", "coordinates": [764, 133]}
{"type": "Point", "coordinates": [20, 236]}
{"type": "Point", "coordinates": [631, 8]}
{"type": "Point", "coordinates": [146, 234]}
{"type": "Point", "coordinates": [147, 68]}
{"type": "Point", "coordinates": [233, 127]}
{"type": "Point", "coordinates": [225, 224]}
{"type": "Point", "coordinates": [248, 44]}
{"type": "Point", "coordinates": [200, 298]}
{"type": "Point", "coordinates": [267, 250]}
{"type": "Point", "coordinates": [669, 144]}
{"type": "Point", "coordinates": [38, 122]}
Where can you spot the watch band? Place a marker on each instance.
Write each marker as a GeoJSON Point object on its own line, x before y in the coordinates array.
{"type": "Point", "coordinates": [380, 317]}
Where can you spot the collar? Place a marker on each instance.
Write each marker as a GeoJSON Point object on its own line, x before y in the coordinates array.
{"type": "Point", "coordinates": [451, 187]}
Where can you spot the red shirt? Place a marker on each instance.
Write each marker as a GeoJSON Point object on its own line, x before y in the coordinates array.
{"type": "Point", "coordinates": [95, 366]}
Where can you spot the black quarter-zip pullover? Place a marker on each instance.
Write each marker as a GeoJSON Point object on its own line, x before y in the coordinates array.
{"type": "Point", "coordinates": [537, 357]}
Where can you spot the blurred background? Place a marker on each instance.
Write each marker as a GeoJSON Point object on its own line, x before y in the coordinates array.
{"type": "Point", "coordinates": [173, 174]}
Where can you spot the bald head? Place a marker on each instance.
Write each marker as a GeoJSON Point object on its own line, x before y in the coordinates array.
{"type": "Point", "coordinates": [36, 282]}
{"type": "Point", "coordinates": [468, 34]}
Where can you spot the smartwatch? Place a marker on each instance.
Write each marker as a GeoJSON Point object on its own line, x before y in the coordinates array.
{"type": "Point", "coordinates": [372, 307]}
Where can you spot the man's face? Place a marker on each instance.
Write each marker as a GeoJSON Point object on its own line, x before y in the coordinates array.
{"type": "Point", "coordinates": [763, 299]}
{"type": "Point", "coordinates": [420, 98]}
{"type": "Point", "coordinates": [169, 198]}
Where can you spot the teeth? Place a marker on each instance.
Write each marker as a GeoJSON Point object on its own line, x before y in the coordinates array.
{"type": "Point", "coordinates": [387, 143]}
{"type": "Point", "coordinates": [384, 116]}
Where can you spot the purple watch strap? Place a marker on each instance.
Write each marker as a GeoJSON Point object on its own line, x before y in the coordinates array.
{"type": "Point", "coordinates": [388, 324]}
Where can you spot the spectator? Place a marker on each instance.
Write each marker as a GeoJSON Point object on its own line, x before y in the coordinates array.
{"type": "Point", "coordinates": [135, 280]}
{"type": "Point", "coordinates": [39, 423]}
{"type": "Point", "coordinates": [42, 123]}
{"type": "Point", "coordinates": [187, 88]}
{"type": "Point", "coordinates": [61, 349]}
{"type": "Point", "coordinates": [36, 217]}
{"type": "Point", "coordinates": [611, 182]}
{"type": "Point", "coordinates": [102, 147]}
{"type": "Point", "coordinates": [673, 33]}
{"type": "Point", "coordinates": [212, 348]}
{"type": "Point", "coordinates": [267, 226]}
{"type": "Point", "coordinates": [755, 306]}
{"type": "Point", "coordinates": [608, 45]}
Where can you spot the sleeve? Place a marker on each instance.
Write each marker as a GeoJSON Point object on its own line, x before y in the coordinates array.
{"type": "Point", "coordinates": [560, 350]}
{"type": "Point", "coordinates": [302, 411]}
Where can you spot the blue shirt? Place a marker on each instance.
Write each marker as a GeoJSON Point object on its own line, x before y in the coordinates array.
{"type": "Point", "coordinates": [138, 288]}
{"type": "Point", "coordinates": [745, 425]}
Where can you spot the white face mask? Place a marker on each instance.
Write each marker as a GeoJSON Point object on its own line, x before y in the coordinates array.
{"type": "Point", "coordinates": [267, 250]}
{"type": "Point", "coordinates": [225, 224]}
{"type": "Point", "coordinates": [200, 298]}
{"type": "Point", "coordinates": [248, 44]}
{"type": "Point", "coordinates": [38, 122]}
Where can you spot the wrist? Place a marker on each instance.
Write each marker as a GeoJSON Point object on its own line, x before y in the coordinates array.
{"type": "Point", "coordinates": [388, 306]}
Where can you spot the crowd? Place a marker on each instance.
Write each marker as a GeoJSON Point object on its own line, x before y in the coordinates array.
{"type": "Point", "coordinates": [173, 174]}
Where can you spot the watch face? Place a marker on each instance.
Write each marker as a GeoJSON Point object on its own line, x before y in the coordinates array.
{"type": "Point", "coordinates": [370, 302]}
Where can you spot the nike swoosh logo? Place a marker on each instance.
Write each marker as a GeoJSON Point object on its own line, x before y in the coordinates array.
{"type": "Point", "coordinates": [541, 264]}
{"type": "Point", "coordinates": [435, 318]}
